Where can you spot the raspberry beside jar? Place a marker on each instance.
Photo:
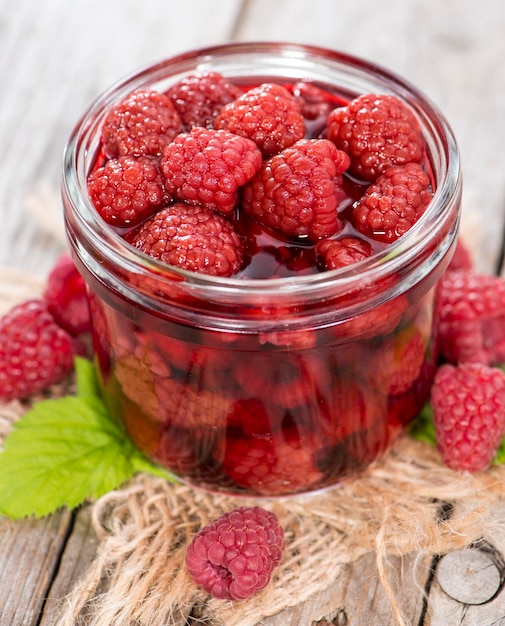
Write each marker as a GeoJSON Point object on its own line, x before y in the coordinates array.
{"type": "Point", "coordinates": [266, 387]}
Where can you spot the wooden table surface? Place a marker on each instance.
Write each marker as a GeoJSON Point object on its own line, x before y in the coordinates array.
{"type": "Point", "coordinates": [56, 55]}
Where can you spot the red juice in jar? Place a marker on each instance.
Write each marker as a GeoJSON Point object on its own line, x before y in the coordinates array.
{"type": "Point", "coordinates": [285, 378]}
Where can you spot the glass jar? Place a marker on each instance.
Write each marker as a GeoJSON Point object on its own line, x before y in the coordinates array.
{"type": "Point", "coordinates": [265, 387]}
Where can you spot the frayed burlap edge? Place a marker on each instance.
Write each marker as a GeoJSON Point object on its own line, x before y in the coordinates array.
{"type": "Point", "coordinates": [138, 576]}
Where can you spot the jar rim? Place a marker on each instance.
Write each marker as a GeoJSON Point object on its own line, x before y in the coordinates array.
{"type": "Point", "coordinates": [81, 215]}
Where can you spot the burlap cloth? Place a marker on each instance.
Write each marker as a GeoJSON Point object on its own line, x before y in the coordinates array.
{"type": "Point", "coordinates": [138, 576]}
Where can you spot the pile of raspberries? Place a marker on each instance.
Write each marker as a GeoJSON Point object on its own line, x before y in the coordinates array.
{"type": "Point", "coordinates": [181, 170]}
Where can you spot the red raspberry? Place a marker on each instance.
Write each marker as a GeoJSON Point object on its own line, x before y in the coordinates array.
{"type": "Point", "coordinates": [66, 297]}
{"type": "Point", "coordinates": [379, 320]}
{"type": "Point", "coordinates": [251, 416]}
{"type": "Point", "coordinates": [394, 203]}
{"type": "Point", "coordinates": [185, 450]}
{"type": "Point", "coordinates": [335, 253]}
{"type": "Point", "coordinates": [471, 317]}
{"type": "Point", "coordinates": [408, 362]}
{"type": "Point", "coordinates": [350, 406]}
{"type": "Point", "coordinates": [268, 114]}
{"type": "Point", "coordinates": [297, 191]}
{"type": "Point", "coordinates": [468, 404]}
{"type": "Point", "coordinates": [34, 351]}
{"type": "Point", "coordinates": [199, 98]}
{"type": "Point", "coordinates": [207, 167]}
{"type": "Point", "coordinates": [192, 238]}
{"type": "Point", "coordinates": [312, 100]}
{"type": "Point", "coordinates": [234, 556]}
{"type": "Point", "coordinates": [272, 465]}
{"type": "Point", "coordinates": [376, 131]}
{"type": "Point", "coordinates": [127, 190]}
{"type": "Point", "coordinates": [192, 405]}
{"type": "Point", "coordinates": [141, 124]}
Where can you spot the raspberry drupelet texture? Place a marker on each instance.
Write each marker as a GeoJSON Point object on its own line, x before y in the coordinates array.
{"type": "Point", "coordinates": [34, 351]}
{"type": "Point", "coordinates": [394, 203]}
{"type": "Point", "coordinates": [127, 190]}
{"type": "Point", "coordinates": [206, 167]}
{"type": "Point", "coordinates": [234, 556]}
{"type": "Point", "coordinates": [376, 131]}
{"type": "Point", "coordinates": [141, 124]}
{"type": "Point", "coordinates": [471, 324]}
{"type": "Point", "coordinates": [268, 114]}
{"type": "Point", "coordinates": [192, 238]}
{"type": "Point", "coordinates": [199, 98]}
{"type": "Point", "coordinates": [66, 297]}
{"type": "Point", "coordinates": [335, 253]}
{"type": "Point", "coordinates": [468, 404]}
{"type": "Point", "coordinates": [297, 192]}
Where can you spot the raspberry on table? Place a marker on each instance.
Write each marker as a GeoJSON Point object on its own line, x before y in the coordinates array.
{"type": "Point", "coordinates": [234, 556]}
{"type": "Point", "coordinates": [127, 190]}
{"type": "Point", "coordinates": [66, 297]}
{"type": "Point", "coordinates": [141, 124]}
{"type": "Point", "coordinates": [468, 403]}
{"type": "Point", "coordinates": [267, 114]}
{"type": "Point", "coordinates": [192, 238]}
{"type": "Point", "coordinates": [471, 317]}
{"type": "Point", "coordinates": [336, 253]}
{"type": "Point", "coordinates": [34, 351]}
{"type": "Point", "coordinates": [376, 131]}
{"type": "Point", "coordinates": [297, 192]}
{"type": "Point", "coordinates": [199, 98]}
{"type": "Point", "coordinates": [394, 203]}
{"type": "Point", "coordinates": [206, 167]}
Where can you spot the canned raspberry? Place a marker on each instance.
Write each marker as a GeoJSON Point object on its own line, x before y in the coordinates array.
{"type": "Point", "coordinates": [291, 354]}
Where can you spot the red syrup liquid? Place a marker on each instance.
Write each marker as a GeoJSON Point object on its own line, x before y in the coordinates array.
{"type": "Point", "coordinates": [267, 413]}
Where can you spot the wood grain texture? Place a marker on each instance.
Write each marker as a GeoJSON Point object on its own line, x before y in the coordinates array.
{"type": "Point", "coordinates": [445, 611]}
{"type": "Point", "coordinates": [357, 598]}
{"type": "Point", "coordinates": [79, 553]}
{"type": "Point", "coordinates": [54, 59]}
{"type": "Point", "coordinates": [29, 557]}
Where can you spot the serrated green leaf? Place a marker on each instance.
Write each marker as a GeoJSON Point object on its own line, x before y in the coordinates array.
{"type": "Point", "coordinates": [87, 382]}
{"type": "Point", "coordinates": [65, 451]}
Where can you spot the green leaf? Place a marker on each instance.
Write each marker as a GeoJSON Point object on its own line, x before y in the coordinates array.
{"type": "Point", "coordinates": [65, 451]}
{"type": "Point", "coordinates": [87, 381]}
{"type": "Point", "coordinates": [423, 428]}
{"type": "Point", "coordinates": [500, 453]}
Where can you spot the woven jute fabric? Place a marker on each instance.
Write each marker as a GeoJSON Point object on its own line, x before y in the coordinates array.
{"type": "Point", "coordinates": [138, 576]}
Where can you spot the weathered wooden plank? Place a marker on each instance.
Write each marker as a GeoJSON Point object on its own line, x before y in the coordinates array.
{"type": "Point", "coordinates": [78, 554]}
{"type": "Point", "coordinates": [449, 49]}
{"type": "Point", "coordinates": [358, 597]}
{"type": "Point", "coordinates": [29, 556]}
{"type": "Point", "coordinates": [444, 609]}
{"type": "Point", "coordinates": [53, 61]}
